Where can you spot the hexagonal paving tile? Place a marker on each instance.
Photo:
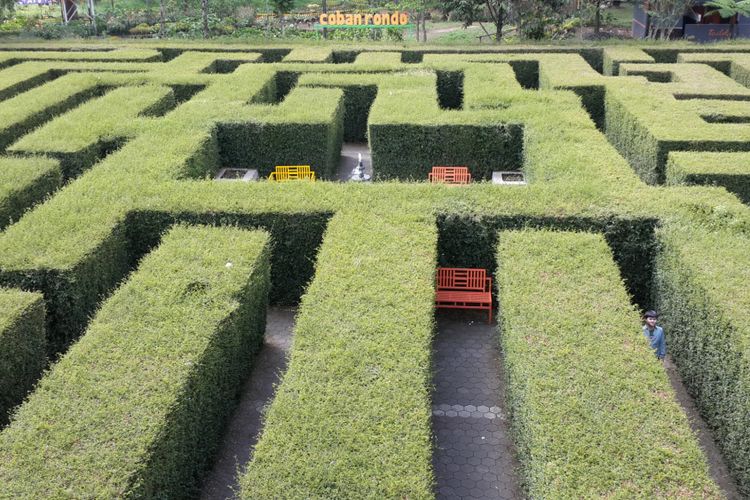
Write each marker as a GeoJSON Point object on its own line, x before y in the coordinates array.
{"type": "Point", "coordinates": [473, 441]}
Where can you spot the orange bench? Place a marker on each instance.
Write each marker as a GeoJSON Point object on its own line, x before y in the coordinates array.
{"type": "Point", "coordinates": [461, 288]}
{"type": "Point", "coordinates": [450, 175]}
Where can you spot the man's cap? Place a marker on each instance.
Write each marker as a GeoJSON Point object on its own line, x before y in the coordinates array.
{"type": "Point", "coordinates": [651, 314]}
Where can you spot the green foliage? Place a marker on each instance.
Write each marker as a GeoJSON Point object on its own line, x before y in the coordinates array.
{"type": "Point", "coordinates": [577, 436]}
{"type": "Point", "coordinates": [704, 302]}
{"type": "Point", "coordinates": [22, 346]}
{"type": "Point", "coordinates": [281, 7]}
{"type": "Point", "coordinates": [359, 373]}
{"type": "Point", "coordinates": [728, 170]}
{"type": "Point", "coordinates": [154, 377]}
{"type": "Point", "coordinates": [729, 8]}
{"type": "Point", "coordinates": [351, 418]}
{"type": "Point", "coordinates": [23, 182]}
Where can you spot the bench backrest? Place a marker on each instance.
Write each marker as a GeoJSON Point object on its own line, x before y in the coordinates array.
{"type": "Point", "coordinates": [292, 172]}
{"type": "Point", "coordinates": [458, 278]}
{"type": "Point", "coordinates": [450, 175]}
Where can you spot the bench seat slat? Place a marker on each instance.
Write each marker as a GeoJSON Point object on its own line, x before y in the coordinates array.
{"type": "Point", "coordinates": [461, 288]}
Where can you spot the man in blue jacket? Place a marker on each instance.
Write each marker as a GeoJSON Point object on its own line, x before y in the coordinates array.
{"type": "Point", "coordinates": [655, 335]}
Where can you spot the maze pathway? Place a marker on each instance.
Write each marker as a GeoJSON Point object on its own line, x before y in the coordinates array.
{"type": "Point", "coordinates": [474, 454]}
{"type": "Point", "coordinates": [246, 422]}
{"type": "Point", "coordinates": [716, 463]}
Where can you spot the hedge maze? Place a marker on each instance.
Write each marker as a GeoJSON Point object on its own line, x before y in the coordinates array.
{"type": "Point", "coordinates": [142, 284]}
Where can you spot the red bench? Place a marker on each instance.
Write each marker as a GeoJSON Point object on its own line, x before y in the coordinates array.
{"type": "Point", "coordinates": [450, 175]}
{"type": "Point", "coordinates": [461, 288]}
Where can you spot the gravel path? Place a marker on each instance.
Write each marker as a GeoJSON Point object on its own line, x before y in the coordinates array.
{"type": "Point", "coordinates": [246, 423]}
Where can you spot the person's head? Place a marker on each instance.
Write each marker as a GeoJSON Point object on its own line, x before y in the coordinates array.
{"type": "Point", "coordinates": [651, 317]}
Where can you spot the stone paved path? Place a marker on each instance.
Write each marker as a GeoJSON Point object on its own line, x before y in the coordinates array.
{"type": "Point", "coordinates": [245, 425]}
{"type": "Point", "coordinates": [474, 454]}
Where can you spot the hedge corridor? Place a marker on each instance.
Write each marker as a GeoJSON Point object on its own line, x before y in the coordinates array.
{"type": "Point", "coordinates": [134, 286]}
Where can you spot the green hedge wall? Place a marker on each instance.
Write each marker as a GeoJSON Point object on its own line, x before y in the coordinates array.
{"type": "Point", "coordinates": [73, 293]}
{"type": "Point", "coordinates": [81, 136]}
{"type": "Point", "coordinates": [407, 151]}
{"type": "Point", "coordinates": [135, 409]}
{"type": "Point", "coordinates": [282, 141]}
{"type": "Point", "coordinates": [22, 346]}
{"type": "Point", "coordinates": [23, 113]}
{"type": "Point", "coordinates": [295, 239]}
{"type": "Point", "coordinates": [357, 102]}
{"type": "Point", "coordinates": [466, 241]}
{"type": "Point", "coordinates": [351, 417]}
{"type": "Point", "coordinates": [592, 411]}
{"type": "Point", "coordinates": [450, 89]}
{"type": "Point", "coordinates": [634, 141]}
{"type": "Point", "coordinates": [729, 170]}
{"type": "Point", "coordinates": [23, 182]}
{"type": "Point", "coordinates": [23, 77]}
{"type": "Point", "coordinates": [702, 296]}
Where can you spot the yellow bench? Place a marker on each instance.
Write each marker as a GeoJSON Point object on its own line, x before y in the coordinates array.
{"type": "Point", "coordinates": [292, 172]}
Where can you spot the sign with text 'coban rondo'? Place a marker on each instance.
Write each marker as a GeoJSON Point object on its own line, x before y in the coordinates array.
{"type": "Point", "coordinates": [385, 19]}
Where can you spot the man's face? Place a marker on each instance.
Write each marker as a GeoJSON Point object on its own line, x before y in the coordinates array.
{"type": "Point", "coordinates": [651, 322]}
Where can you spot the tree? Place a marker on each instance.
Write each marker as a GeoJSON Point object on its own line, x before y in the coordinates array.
{"type": "Point", "coordinates": [534, 17]}
{"type": "Point", "coordinates": [281, 7]}
{"type": "Point", "coordinates": [162, 30]}
{"type": "Point", "coordinates": [597, 6]}
{"type": "Point", "coordinates": [471, 11]}
{"type": "Point", "coordinates": [418, 7]}
{"type": "Point", "coordinates": [6, 8]}
{"type": "Point", "coordinates": [664, 16]}
{"type": "Point", "coordinates": [204, 12]}
{"type": "Point", "coordinates": [729, 8]}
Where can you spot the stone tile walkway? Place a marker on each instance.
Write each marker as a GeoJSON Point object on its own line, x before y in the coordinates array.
{"type": "Point", "coordinates": [474, 455]}
{"type": "Point", "coordinates": [245, 424]}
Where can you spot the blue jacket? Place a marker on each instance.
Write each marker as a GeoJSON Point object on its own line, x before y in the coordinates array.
{"type": "Point", "coordinates": [656, 338]}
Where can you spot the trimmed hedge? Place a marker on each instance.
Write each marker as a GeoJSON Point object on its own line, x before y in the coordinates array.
{"type": "Point", "coordinates": [296, 238]}
{"type": "Point", "coordinates": [135, 409]}
{"type": "Point", "coordinates": [23, 182]}
{"type": "Point", "coordinates": [21, 114]}
{"type": "Point", "coordinates": [481, 148]}
{"type": "Point", "coordinates": [282, 140]}
{"type": "Point", "coordinates": [80, 137]}
{"type": "Point", "coordinates": [637, 125]}
{"type": "Point", "coordinates": [729, 170]}
{"type": "Point", "coordinates": [359, 93]}
{"type": "Point", "coordinates": [701, 283]}
{"type": "Point", "coordinates": [79, 244]}
{"type": "Point", "coordinates": [592, 412]}
{"type": "Point", "coordinates": [309, 55]}
{"type": "Point", "coordinates": [614, 56]}
{"type": "Point", "coordinates": [22, 346]}
{"type": "Point", "coordinates": [351, 417]}
{"type": "Point", "coordinates": [470, 241]}
{"type": "Point", "coordinates": [22, 77]}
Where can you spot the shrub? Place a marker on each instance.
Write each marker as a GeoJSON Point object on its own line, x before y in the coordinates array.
{"type": "Point", "coordinates": [22, 346]}
{"type": "Point", "coordinates": [23, 182]}
{"type": "Point", "coordinates": [351, 418]}
{"type": "Point", "coordinates": [136, 407]}
{"type": "Point", "coordinates": [701, 282]}
{"type": "Point", "coordinates": [592, 412]}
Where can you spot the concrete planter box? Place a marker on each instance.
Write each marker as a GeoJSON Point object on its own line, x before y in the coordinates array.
{"type": "Point", "coordinates": [237, 174]}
